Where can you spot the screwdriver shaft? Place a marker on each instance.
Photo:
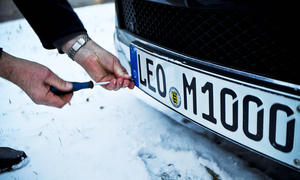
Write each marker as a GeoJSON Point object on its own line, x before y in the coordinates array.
{"type": "Point", "coordinates": [102, 83]}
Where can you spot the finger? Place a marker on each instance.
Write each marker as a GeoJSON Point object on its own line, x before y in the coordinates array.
{"type": "Point", "coordinates": [112, 82]}
{"type": "Point", "coordinates": [131, 85]}
{"type": "Point", "coordinates": [126, 76]}
{"type": "Point", "coordinates": [126, 83]}
{"type": "Point", "coordinates": [61, 101]}
{"type": "Point", "coordinates": [119, 84]}
{"type": "Point", "coordinates": [67, 97]}
{"type": "Point", "coordinates": [119, 70]}
{"type": "Point", "coordinates": [54, 100]}
{"type": "Point", "coordinates": [58, 83]}
{"type": "Point", "coordinates": [111, 85]}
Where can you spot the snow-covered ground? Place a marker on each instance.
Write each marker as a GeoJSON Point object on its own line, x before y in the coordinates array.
{"type": "Point", "coordinates": [101, 134]}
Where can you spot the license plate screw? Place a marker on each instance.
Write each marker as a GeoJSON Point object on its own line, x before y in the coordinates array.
{"type": "Point", "coordinates": [298, 108]}
{"type": "Point", "coordinates": [297, 162]}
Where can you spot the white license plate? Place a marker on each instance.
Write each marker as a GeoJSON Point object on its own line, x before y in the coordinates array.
{"type": "Point", "coordinates": [263, 119]}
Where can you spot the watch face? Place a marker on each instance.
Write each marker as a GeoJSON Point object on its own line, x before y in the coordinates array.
{"type": "Point", "coordinates": [76, 46]}
{"type": "Point", "coordinates": [81, 41]}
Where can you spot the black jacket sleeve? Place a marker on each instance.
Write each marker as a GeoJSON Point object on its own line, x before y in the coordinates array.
{"type": "Point", "coordinates": [52, 20]}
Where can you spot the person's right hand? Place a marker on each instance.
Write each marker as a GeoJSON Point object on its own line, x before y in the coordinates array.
{"type": "Point", "coordinates": [36, 79]}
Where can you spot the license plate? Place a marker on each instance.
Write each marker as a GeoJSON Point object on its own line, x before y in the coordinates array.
{"type": "Point", "coordinates": [263, 119]}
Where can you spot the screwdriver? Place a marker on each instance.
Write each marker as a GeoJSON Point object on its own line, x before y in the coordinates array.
{"type": "Point", "coordinates": [78, 86]}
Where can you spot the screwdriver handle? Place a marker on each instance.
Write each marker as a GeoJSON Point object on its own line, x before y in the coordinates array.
{"type": "Point", "coordinates": [82, 85]}
{"type": "Point", "coordinates": [76, 86]}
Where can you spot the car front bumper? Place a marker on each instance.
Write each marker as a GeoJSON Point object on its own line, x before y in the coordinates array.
{"type": "Point", "coordinates": [123, 41]}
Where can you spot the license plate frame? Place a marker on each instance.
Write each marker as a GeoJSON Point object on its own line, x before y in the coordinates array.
{"type": "Point", "coordinates": [220, 92]}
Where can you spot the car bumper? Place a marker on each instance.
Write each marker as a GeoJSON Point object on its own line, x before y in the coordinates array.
{"type": "Point", "coordinates": [123, 40]}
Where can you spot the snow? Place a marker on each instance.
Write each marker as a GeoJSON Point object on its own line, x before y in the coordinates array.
{"type": "Point", "coordinates": [101, 134]}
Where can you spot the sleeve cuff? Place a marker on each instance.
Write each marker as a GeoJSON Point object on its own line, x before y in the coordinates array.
{"type": "Point", "coordinates": [60, 42]}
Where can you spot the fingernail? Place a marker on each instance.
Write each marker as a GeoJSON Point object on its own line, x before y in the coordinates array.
{"type": "Point", "coordinates": [69, 85]}
{"type": "Point", "coordinates": [115, 82]}
{"type": "Point", "coordinates": [120, 83]}
{"type": "Point", "coordinates": [128, 76]}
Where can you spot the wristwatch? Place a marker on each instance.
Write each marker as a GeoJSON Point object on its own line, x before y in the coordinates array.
{"type": "Point", "coordinates": [77, 45]}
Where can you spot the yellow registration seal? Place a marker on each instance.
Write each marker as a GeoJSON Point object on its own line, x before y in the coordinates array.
{"type": "Point", "coordinates": [175, 97]}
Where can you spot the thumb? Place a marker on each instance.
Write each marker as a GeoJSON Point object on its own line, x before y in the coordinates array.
{"type": "Point", "coordinates": [58, 83]}
{"type": "Point", "coordinates": [120, 71]}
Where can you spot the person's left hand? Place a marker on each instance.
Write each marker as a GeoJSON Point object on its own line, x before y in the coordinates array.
{"type": "Point", "coordinates": [101, 65]}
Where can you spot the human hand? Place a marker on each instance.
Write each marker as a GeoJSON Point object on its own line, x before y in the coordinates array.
{"type": "Point", "coordinates": [101, 65]}
{"type": "Point", "coordinates": [36, 79]}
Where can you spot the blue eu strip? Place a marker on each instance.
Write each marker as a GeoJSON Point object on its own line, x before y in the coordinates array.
{"type": "Point", "coordinates": [134, 65]}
